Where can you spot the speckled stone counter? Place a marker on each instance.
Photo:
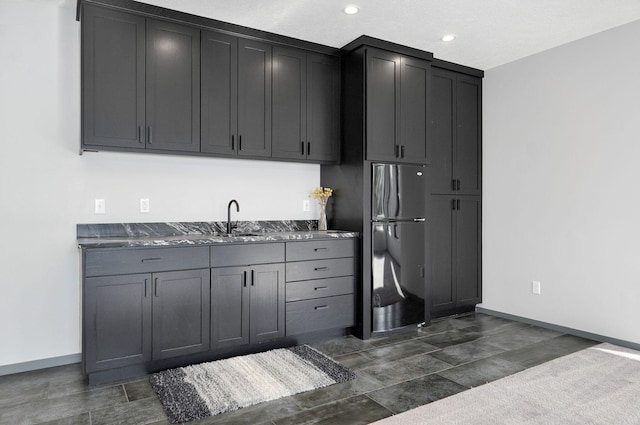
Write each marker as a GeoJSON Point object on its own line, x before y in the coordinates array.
{"type": "Point", "coordinates": [120, 235]}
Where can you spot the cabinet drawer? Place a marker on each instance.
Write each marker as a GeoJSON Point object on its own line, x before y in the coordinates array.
{"type": "Point", "coordinates": [113, 261]}
{"type": "Point", "coordinates": [318, 250]}
{"type": "Point", "coordinates": [319, 269]}
{"type": "Point", "coordinates": [246, 255]}
{"type": "Point", "coordinates": [309, 289]}
{"type": "Point", "coordinates": [319, 314]}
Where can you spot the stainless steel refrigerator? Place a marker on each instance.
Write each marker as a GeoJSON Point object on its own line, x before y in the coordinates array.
{"type": "Point", "coordinates": [398, 229]}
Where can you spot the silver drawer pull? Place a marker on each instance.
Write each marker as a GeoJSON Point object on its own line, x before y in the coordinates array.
{"type": "Point", "coordinates": [319, 287]}
{"type": "Point", "coordinates": [320, 268]}
{"type": "Point", "coordinates": [321, 307]}
{"type": "Point", "coordinates": [320, 249]}
{"type": "Point", "coordinates": [151, 260]}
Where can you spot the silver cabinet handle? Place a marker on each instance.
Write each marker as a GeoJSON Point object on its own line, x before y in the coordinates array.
{"type": "Point", "coordinates": [419, 219]}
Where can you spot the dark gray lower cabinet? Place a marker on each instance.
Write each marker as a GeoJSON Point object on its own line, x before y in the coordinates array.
{"type": "Point", "coordinates": [132, 319]}
{"type": "Point", "coordinates": [229, 307]}
{"type": "Point", "coordinates": [180, 313]}
{"type": "Point", "coordinates": [247, 304]}
{"type": "Point", "coordinates": [320, 285]}
{"type": "Point", "coordinates": [117, 321]}
{"type": "Point", "coordinates": [144, 307]}
{"type": "Point", "coordinates": [454, 253]}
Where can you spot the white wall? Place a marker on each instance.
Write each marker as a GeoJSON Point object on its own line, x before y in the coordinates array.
{"type": "Point", "coordinates": [561, 185]}
{"type": "Point", "coordinates": [46, 188]}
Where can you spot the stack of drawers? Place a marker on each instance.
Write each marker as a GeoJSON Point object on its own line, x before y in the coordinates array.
{"type": "Point", "coordinates": [320, 285]}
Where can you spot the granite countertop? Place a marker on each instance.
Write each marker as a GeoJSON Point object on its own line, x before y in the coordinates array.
{"type": "Point", "coordinates": [122, 235]}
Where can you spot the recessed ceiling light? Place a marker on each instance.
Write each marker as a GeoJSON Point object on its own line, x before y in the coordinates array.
{"type": "Point", "coordinates": [448, 37]}
{"type": "Point", "coordinates": [351, 10]}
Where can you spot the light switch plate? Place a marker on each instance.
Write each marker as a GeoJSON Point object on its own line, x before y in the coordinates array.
{"type": "Point", "coordinates": [144, 205]}
{"type": "Point", "coordinates": [535, 287]}
{"type": "Point", "coordinates": [306, 205]}
{"type": "Point", "coordinates": [100, 206]}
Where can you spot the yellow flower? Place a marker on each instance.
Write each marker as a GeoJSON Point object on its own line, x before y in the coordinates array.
{"type": "Point", "coordinates": [322, 192]}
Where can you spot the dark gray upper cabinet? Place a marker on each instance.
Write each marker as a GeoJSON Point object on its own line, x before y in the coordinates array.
{"type": "Point", "coordinates": [180, 313]}
{"type": "Point", "coordinates": [456, 133]}
{"type": "Point", "coordinates": [454, 253]}
{"type": "Point", "coordinates": [219, 102]}
{"type": "Point", "coordinates": [414, 110]}
{"type": "Point", "coordinates": [141, 82]}
{"type": "Point", "coordinates": [159, 86]}
{"type": "Point", "coordinates": [397, 99]}
{"type": "Point", "coordinates": [254, 98]}
{"type": "Point", "coordinates": [173, 87]}
{"type": "Point", "coordinates": [113, 78]}
{"type": "Point", "coordinates": [289, 103]}
{"type": "Point", "coordinates": [382, 97]}
{"type": "Point", "coordinates": [116, 321]}
{"type": "Point", "coordinates": [306, 108]}
{"type": "Point", "coordinates": [236, 96]}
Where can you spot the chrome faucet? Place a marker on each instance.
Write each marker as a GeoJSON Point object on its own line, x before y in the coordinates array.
{"type": "Point", "coordinates": [229, 226]}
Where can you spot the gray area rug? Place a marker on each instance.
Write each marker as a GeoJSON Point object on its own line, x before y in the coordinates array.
{"type": "Point", "coordinates": [207, 389]}
{"type": "Point", "coordinates": [598, 385]}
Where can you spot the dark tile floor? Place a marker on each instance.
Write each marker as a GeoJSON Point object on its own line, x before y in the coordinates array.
{"type": "Point", "coordinates": [394, 374]}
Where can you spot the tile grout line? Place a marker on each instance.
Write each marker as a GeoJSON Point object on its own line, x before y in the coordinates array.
{"type": "Point", "coordinates": [383, 406]}
{"type": "Point", "coordinates": [125, 393]}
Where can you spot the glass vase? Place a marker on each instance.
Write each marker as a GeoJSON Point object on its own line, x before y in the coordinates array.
{"type": "Point", "coordinates": [322, 222]}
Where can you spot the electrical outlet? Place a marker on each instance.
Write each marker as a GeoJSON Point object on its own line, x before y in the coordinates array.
{"type": "Point", "coordinates": [306, 205]}
{"type": "Point", "coordinates": [535, 287]}
{"type": "Point", "coordinates": [144, 205]}
{"type": "Point", "coordinates": [100, 206]}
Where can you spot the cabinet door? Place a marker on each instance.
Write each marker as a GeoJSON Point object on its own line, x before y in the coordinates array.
{"type": "Point", "coordinates": [468, 138]}
{"type": "Point", "coordinates": [229, 307]}
{"type": "Point", "coordinates": [289, 103]}
{"type": "Point", "coordinates": [219, 93]}
{"type": "Point", "coordinates": [113, 72]}
{"type": "Point", "coordinates": [173, 86]}
{"type": "Point", "coordinates": [323, 108]}
{"type": "Point", "coordinates": [267, 302]}
{"type": "Point", "coordinates": [254, 102]}
{"type": "Point", "coordinates": [180, 313]}
{"type": "Point", "coordinates": [467, 245]}
{"type": "Point", "coordinates": [117, 321]}
{"type": "Point", "coordinates": [414, 105]}
{"type": "Point", "coordinates": [442, 130]}
{"type": "Point", "coordinates": [441, 252]}
{"type": "Point", "coordinates": [383, 96]}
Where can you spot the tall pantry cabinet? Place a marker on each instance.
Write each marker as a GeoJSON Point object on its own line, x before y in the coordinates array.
{"type": "Point", "coordinates": [454, 200]}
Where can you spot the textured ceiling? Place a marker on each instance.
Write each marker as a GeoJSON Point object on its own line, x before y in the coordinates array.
{"type": "Point", "coordinates": [489, 32]}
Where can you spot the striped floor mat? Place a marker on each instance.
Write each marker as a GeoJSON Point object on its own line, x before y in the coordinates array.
{"type": "Point", "coordinates": [207, 389]}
